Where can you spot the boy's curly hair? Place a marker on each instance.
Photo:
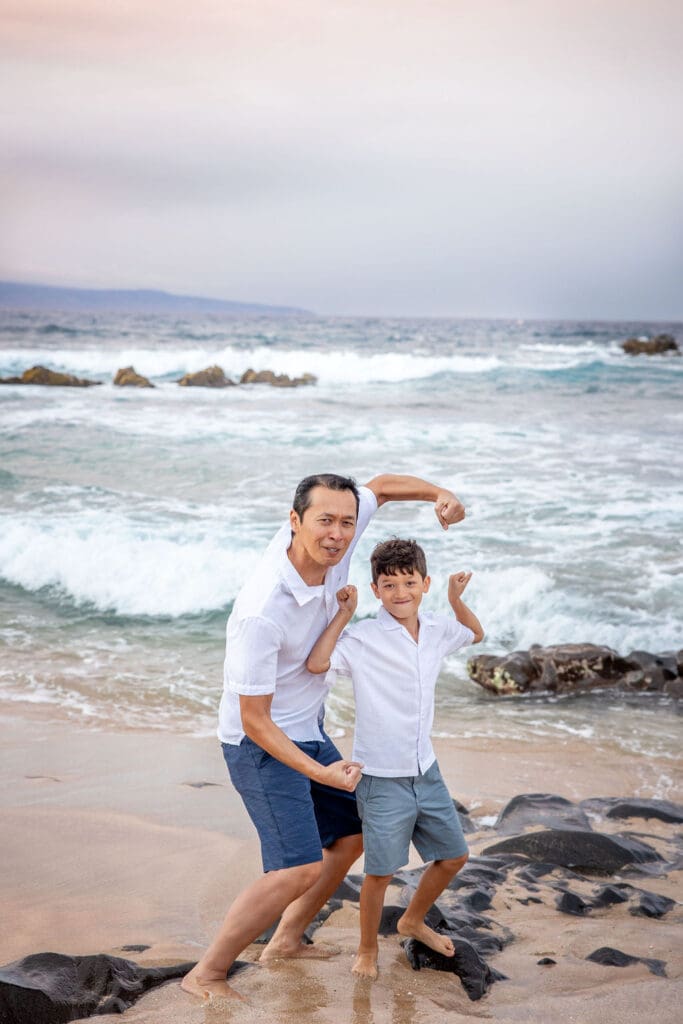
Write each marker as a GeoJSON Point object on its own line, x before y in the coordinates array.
{"type": "Point", "coordinates": [394, 556]}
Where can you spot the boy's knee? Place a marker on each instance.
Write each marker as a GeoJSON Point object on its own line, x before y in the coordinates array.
{"type": "Point", "coordinates": [455, 864]}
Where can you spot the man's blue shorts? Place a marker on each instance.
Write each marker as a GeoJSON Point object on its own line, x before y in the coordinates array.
{"type": "Point", "coordinates": [295, 817]}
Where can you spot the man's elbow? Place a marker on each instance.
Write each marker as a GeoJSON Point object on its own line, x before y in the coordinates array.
{"type": "Point", "coordinates": [378, 487]}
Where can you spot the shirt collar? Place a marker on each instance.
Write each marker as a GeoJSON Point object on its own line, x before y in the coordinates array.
{"type": "Point", "coordinates": [300, 591]}
{"type": "Point", "coordinates": [387, 621]}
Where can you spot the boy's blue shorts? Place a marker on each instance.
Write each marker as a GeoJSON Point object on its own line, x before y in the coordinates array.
{"type": "Point", "coordinates": [394, 811]}
{"type": "Point", "coordinates": [295, 817]}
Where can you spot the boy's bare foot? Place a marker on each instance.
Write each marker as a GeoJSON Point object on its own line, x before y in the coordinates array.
{"type": "Point", "coordinates": [207, 987]}
{"type": "Point", "coordinates": [365, 965]}
{"type": "Point", "coordinates": [299, 951]}
{"type": "Point", "coordinates": [423, 933]}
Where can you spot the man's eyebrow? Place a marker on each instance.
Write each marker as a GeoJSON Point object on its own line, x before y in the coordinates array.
{"type": "Point", "coordinates": [345, 515]}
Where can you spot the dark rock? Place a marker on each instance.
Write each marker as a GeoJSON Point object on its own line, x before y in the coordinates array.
{"type": "Point", "coordinates": [546, 961]}
{"type": "Point", "coordinates": [569, 668]}
{"type": "Point", "coordinates": [650, 346]}
{"type": "Point", "coordinates": [540, 809]}
{"type": "Point", "coordinates": [586, 851]}
{"type": "Point", "coordinates": [128, 378]}
{"type": "Point", "coordinates": [50, 378]}
{"type": "Point", "coordinates": [134, 948]}
{"type": "Point", "coordinates": [610, 957]}
{"type": "Point", "coordinates": [465, 821]}
{"type": "Point", "coordinates": [480, 899]}
{"type": "Point", "coordinates": [212, 377]}
{"type": "Point", "coordinates": [474, 973]}
{"type": "Point", "coordinates": [617, 807]}
{"type": "Point", "coordinates": [50, 988]}
{"type": "Point", "coordinates": [652, 905]}
{"type": "Point", "coordinates": [528, 900]}
{"type": "Point", "coordinates": [572, 903]}
{"type": "Point", "coordinates": [608, 895]}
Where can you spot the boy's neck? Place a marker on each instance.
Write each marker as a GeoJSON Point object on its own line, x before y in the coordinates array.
{"type": "Point", "coordinates": [412, 625]}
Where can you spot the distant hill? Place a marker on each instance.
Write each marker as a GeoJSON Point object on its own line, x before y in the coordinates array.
{"type": "Point", "coordinates": [37, 296]}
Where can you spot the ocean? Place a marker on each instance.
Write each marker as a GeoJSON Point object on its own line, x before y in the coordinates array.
{"type": "Point", "coordinates": [130, 518]}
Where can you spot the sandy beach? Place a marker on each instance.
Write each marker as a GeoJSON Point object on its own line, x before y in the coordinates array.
{"type": "Point", "coordinates": [136, 838]}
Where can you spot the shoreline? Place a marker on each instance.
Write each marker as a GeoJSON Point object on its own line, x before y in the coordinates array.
{"type": "Point", "coordinates": [126, 838]}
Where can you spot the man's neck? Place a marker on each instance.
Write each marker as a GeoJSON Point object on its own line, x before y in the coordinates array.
{"type": "Point", "coordinates": [311, 573]}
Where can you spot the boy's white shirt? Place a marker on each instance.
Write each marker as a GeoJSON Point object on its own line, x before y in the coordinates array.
{"type": "Point", "coordinates": [273, 625]}
{"type": "Point", "coordinates": [394, 678]}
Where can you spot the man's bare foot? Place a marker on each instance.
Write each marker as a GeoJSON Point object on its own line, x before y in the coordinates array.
{"type": "Point", "coordinates": [299, 951]}
{"type": "Point", "coordinates": [206, 987]}
{"type": "Point", "coordinates": [365, 965]}
{"type": "Point", "coordinates": [423, 933]}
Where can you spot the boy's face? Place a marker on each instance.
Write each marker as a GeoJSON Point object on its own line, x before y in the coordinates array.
{"type": "Point", "coordinates": [401, 594]}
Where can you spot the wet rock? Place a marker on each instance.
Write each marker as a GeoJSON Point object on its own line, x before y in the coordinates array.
{"type": "Point", "coordinates": [569, 668]}
{"type": "Point", "coordinates": [546, 961]}
{"type": "Point", "coordinates": [465, 820]}
{"type": "Point", "coordinates": [50, 988]}
{"type": "Point", "coordinates": [585, 851]}
{"type": "Point", "coordinates": [474, 973]}
{"type": "Point", "coordinates": [211, 377]}
{"type": "Point", "coordinates": [610, 957]}
{"type": "Point", "coordinates": [276, 380]}
{"type": "Point", "coordinates": [571, 903]}
{"type": "Point", "coordinates": [616, 807]}
{"type": "Point", "coordinates": [126, 377]}
{"type": "Point", "coordinates": [532, 809]}
{"type": "Point", "coordinates": [50, 378]}
{"type": "Point", "coordinates": [650, 346]}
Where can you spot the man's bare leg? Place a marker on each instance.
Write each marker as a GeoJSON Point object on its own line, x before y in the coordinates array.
{"type": "Point", "coordinates": [433, 882]}
{"type": "Point", "coordinates": [371, 904]}
{"type": "Point", "coordinates": [287, 940]}
{"type": "Point", "coordinates": [255, 909]}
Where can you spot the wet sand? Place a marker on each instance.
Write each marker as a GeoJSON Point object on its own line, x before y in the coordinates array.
{"type": "Point", "coordinates": [109, 840]}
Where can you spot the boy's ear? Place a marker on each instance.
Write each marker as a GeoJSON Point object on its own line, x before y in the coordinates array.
{"type": "Point", "coordinates": [427, 584]}
{"type": "Point", "coordinates": [375, 590]}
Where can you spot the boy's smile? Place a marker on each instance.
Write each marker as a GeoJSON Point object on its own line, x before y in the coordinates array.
{"type": "Point", "coordinates": [401, 595]}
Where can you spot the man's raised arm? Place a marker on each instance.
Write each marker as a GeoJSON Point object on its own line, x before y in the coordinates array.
{"type": "Point", "coordinates": [393, 487]}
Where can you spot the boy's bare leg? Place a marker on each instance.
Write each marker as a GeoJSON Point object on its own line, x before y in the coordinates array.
{"type": "Point", "coordinates": [433, 882]}
{"type": "Point", "coordinates": [371, 904]}
{"type": "Point", "coordinates": [287, 940]}
{"type": "Point", "coordinates": [254, 910]}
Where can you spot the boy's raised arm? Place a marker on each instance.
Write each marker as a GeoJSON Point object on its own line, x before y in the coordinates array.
{"type": "Point", "coordinates": [456, 584]}
{"type": "Point", "coordinates": [318, 660]}
{"type": "Point", "coordinates": [395, 487]}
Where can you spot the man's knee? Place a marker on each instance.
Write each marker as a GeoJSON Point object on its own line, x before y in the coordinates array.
{"type": "Point", "coordinates": [304, 876]}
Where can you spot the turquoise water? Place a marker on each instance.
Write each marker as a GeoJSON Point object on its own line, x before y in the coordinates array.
{"type": "Point", "coordinates": [129, 519]}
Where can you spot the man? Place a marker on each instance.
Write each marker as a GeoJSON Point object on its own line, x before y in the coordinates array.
{"type": "Point", "coordinates": [297, 788]}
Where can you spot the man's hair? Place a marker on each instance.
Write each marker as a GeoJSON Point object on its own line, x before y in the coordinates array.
{"type": "Point", "coordinates": [395, 556]}
{"type": "Point", "coordinates": [302, 495]}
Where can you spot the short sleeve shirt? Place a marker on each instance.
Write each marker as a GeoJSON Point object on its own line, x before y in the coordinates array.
{"type": "Point", "coordinates": [394, 679]}
{"type": "Point", "coordinates": [274, 623]}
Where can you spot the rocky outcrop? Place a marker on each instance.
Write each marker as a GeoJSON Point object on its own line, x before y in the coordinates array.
{"type": "Point", "coordinates": [126, 377]}
{"type": "Point", "coordinates": [281, 380]}
{"type": "Point", "coordinates": [50, 988]}
{"type": "Point", "coordinates": [568, 668]}
{"type": "Point", "coordinates": [650, 346]}
{"type": "Point", "coordinates": [50, 378]}
{"type": "Point", "coordinates": [211, 377]}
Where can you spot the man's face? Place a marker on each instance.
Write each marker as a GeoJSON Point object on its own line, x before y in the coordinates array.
{"type": "Point", "coordinates": [327, 527]}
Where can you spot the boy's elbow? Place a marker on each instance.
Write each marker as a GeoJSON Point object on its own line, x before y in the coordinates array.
{"type": "Point", "coordinates": [478, 636]}
{"type": "Point", "coordinates": [316, 668]}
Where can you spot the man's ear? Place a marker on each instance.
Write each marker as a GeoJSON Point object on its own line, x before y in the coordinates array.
{"type": "Point", "coordinates": [375, 590]}
{"type": "Point", "coordinates": [294, 521]}
{"type": "Point", "coordinates": [427, 584]}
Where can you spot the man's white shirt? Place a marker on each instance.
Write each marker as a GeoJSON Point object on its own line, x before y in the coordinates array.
{"type": "Point", "coordinates": [394, 678]}
{"type": "Point", "coordinates": [274, 623]}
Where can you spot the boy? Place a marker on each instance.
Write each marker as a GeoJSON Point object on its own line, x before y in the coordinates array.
{"type": "Point", "coordinates": [394, 663]}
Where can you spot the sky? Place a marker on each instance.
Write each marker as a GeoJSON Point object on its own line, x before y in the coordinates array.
{"type": "Point", "coordinates": [474, 158]}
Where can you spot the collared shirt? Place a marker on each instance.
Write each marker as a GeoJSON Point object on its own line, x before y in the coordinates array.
{"type": "Point", "coordinates": [274, 623]}
{"type": "Point", "coordinates": [394, 679]}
